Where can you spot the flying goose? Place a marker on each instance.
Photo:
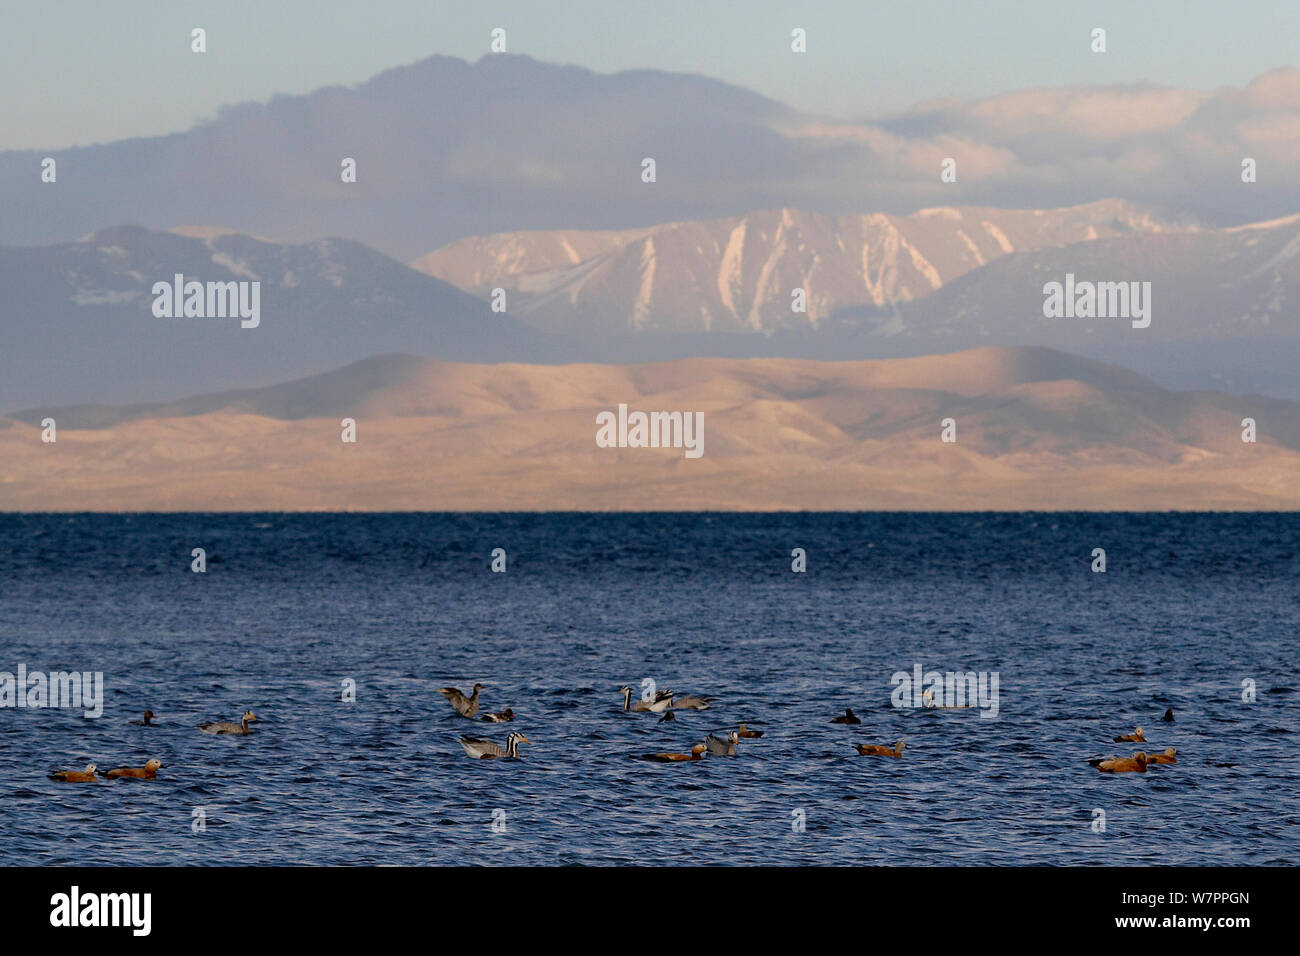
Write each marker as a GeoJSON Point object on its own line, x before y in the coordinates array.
{"type": "Point", "coordinates": [226, 727]}
{"type": "Point", "coordinates": [722, 747]}
{"type": "Point", "coordinates": [465, 706]}
{"type": "Point", "coordinates": [697, 753]}
{"type": "Point", "coordinates": [663, 700]}
{"type": "Point", "coordinates": [1136, 737]}
{"type": "Point", "coordinates": [879, 750]}
{"type": "Point", "coordinates": [147, 772]}
{"type": "Point", "coordinates": [75, 776]}
{"type": "Point", "coordinates": [1166, 757]}
{"type": "Point", "coordinates": [149, 717]}
{"type": "Point", "coordinates": [1135, 764]}
{"type": "Point", "coordinates": [848, 717]}
{"type": "Point", "coordinates": [487, 749]}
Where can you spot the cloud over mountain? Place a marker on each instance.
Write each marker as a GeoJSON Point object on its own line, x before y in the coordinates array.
{"type": "Point", "coordinates": [447, 149]}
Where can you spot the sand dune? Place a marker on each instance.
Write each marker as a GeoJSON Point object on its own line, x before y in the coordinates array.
{"type": "Point", "coordinates": [1036, 429]}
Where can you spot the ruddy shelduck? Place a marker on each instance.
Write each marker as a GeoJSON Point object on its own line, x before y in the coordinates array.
{"type": "Point", "coordinates": [75, 776]}
{"type": "Point", "coordinates": [147, 772]}
{"type": "Point", "coordinates": [1135, 764]}
{"type": "Point", "coordinates": [879, 750]}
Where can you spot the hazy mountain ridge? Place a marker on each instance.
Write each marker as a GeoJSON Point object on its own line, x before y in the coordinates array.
{"type": "Point", "coordinates": [80, 327]}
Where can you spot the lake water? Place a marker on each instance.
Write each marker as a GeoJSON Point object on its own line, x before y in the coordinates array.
{"type": "Point", "coordinates": [1189, 608]}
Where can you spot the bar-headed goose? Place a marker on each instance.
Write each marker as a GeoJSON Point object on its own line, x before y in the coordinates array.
{"type": "Point", "coordinates": [663, 700]}
{"type": "Point", "coordinates": [226, 727]}
{"type": "Point", "coordinates": [487, 749]}
{"type": "Point", "coordinates": [689, 701]}
{"type": "Point", "coordinates": [720, 746]}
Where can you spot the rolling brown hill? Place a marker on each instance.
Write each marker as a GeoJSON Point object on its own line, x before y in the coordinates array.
{"type": "Point", "coordinates": [1036, 429]}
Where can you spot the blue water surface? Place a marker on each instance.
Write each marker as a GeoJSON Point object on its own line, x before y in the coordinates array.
{"type": "Point", "coordinates": [1189, 608]}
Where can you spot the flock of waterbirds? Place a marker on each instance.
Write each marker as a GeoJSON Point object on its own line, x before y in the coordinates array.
{"type": "Point", "coordinates": [664, 702]}
{"type": "Point", "coordinates": [150, 770]}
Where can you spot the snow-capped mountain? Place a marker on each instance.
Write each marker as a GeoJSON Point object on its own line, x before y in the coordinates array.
{"type": "Point", "coordinates": [740, 273]}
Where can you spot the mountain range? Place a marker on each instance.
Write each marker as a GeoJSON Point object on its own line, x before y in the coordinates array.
{"type": "Point", "coordinates": [737, 274]}
{"type": "Point", "coordinates": [79, 326]}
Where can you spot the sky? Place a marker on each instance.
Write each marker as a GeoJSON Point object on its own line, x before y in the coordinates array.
{"type": "Point", "coordinates": [86, 71]}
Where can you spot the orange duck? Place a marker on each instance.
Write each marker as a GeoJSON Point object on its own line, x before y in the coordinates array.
{"type": "Point", "coordinates": [697, 753]}
{"type": "Point", "coordinates": [879, 750]}
{"type": "Point", "coordinates": [147, 772]}
{"type": "Point", "coordinates": [75, 776]}
{"type": "Point", "coordinates": [1135, 764]}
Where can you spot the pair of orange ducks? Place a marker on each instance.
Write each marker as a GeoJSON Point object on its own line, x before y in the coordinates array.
{"type": "Point", "coordinates": [1139, 762]}
{"type": "Point", "coordinates": [148, 772]}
